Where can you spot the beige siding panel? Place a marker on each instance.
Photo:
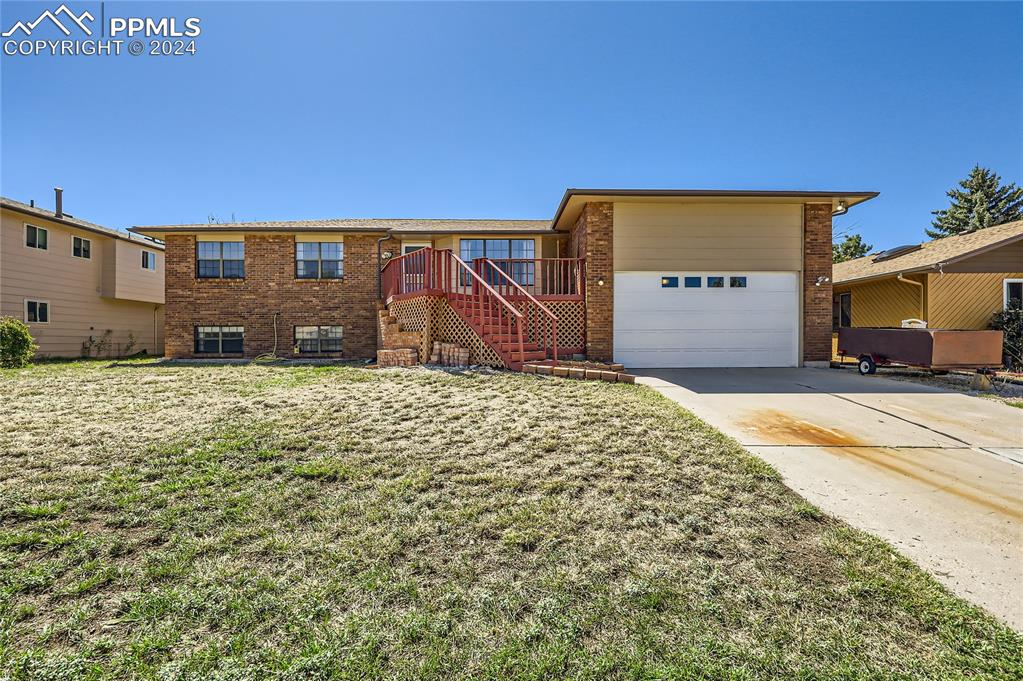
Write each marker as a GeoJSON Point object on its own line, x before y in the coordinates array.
{"type": "Point", "coordinates": [707, 236]}
{"type": "Point", "coordinates": [132, 281]}
{"type": "Point", "coordinates": [966, 301]}
{"type": "Point", "coordinates": [319, 237]}
{"type": "Point", "coordinates": [885, 302]}
{"type": "Point", "coordinates": [73, 287]}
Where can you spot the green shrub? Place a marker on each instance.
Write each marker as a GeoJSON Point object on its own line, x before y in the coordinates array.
{"type": "Point", "coordinates": [1010, 321]}
{"type": "Point", "coordinates": [16, 344]}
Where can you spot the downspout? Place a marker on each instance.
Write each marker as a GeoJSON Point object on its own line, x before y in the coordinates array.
{"type": "Point", "coordinates": [380, 267]}
{"type": "Point", "coordinates": [915, 283]}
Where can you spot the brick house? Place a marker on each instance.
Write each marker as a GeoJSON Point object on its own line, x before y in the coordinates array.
{"type": "Point", "coordinates": [649, 278]}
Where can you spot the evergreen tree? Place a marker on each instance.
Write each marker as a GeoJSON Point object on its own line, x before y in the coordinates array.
{"type": "Point", "coordinates": [980, 201]}
{"type": "Point", "coordinates": [850, 248]}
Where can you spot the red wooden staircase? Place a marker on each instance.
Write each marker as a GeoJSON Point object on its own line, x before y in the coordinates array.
{"type": "Point", "coordinates": [483, 298]}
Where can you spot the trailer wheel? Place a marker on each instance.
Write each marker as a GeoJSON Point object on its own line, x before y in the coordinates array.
{"type": "Point", "coordinates": [867, 365]}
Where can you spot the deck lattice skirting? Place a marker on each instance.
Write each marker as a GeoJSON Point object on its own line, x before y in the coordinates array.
{"type": "Point", "coordinates": [437, 321]}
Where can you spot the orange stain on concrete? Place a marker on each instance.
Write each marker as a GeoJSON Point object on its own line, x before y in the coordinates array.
{"type": "Point", "coordinates": [784, 429]}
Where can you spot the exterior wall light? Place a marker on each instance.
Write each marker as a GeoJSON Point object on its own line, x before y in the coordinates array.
{"type": "Point", "coordinates": [822, 280]}
{"type": "Point", "coordinates": [600, 282]}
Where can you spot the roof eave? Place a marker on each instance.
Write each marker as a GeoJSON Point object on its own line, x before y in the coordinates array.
{"type": "Point", "coordinates": [936, 265]}
{"type": "Point", "coordinates": [113, 234]}
{"type": "Point", "coordinates": [854, 198]}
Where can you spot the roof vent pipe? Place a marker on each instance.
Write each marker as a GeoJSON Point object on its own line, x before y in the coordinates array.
{"type": "Point", "coordinates": [58, 194]}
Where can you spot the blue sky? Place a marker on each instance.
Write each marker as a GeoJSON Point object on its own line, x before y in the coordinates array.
{"type": "Point", "coordinates": [308, 110]}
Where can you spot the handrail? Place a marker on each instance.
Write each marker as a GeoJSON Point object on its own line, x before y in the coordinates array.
{"type": "Point", "coordinates": [531, 298]}
{"type": "Point", "coordinates": [550, 277]}
{"type": "Point", "coordinates": [442, 271]}
{"type": "Point", "coordinates": [511, 308]}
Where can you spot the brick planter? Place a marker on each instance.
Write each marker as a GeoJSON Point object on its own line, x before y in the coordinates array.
{"type": "Point", "coordinates": [402, 357]}
{"type": "Point", "coordinates": [587, 371]}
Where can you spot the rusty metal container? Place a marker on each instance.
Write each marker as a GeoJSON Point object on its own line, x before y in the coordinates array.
{"type": "Point", "coordinates": [940, 349]}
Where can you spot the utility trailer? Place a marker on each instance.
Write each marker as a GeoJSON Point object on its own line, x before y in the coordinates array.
{"type": "Point", "coordinates": [939, 350]}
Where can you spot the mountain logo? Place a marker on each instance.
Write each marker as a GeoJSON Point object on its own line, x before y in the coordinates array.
{"type": "Point", "coordinates": [78, 20]}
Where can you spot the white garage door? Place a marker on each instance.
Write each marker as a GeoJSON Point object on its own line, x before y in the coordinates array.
{"type": "Point", "coordinates": [706, 319]}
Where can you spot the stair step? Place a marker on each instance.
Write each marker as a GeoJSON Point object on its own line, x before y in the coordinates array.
{"type": "Point", "coordinates": [527, 356]}
{"type": "Point", "coordinates": [511, 347]}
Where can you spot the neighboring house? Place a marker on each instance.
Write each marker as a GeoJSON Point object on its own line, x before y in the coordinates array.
{"type": "Point", "coordinates": [649, 278]}
{"type": "Point", "coordinates": [957, 282]}
{"type": "Point", "coordinates": [83, 289]}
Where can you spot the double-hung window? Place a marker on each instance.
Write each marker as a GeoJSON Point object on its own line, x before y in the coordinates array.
{"type": "Point", "coordinates": [81, 248]}
{"type": "Point", "coordinates": [36, 237]}
{"type": "Point", "coordinates": [319, 259]}
{"type": "Point", "coordinates": [220, 260]}
{"type": "Point", "coordinates": [219, 340]}
{"type": "Point", "coordinates": [314, 339]}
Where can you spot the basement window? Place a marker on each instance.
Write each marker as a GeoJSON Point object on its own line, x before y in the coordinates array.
{"type": "Point", "coordinates": [219, 340]}
{"type": "Point", "coordinates": [318, 339]}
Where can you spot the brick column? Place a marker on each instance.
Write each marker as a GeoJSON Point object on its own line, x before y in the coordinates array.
{"type": "Point", "coordinates": [592, 239]}
{"type": "Point", "coordinates": [816, 299]}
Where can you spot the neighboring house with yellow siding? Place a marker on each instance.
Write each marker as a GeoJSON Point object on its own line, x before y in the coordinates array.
{"type": "Point", "coordinates": [957, 282]}
{"type": "Point", "coordinates": [83, 289]}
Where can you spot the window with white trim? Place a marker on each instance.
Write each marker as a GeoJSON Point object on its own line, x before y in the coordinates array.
{"type": "Point", "coordinates": [37, 312]}
{"type": "Point", "coordinates": [37, 237]}
{"type": "Point", "coordinates": [314, 339]}
{"type": "Point", "coordinates": [149, 260]}
{"type": "Point", "coordinates": [219, 340]}
{"type": "Point", "coordinates": [319, 260]}
{"type": "Point", "coordinates": [81, 248]}
{"type": "Point", "coordinates": [1012, 292]}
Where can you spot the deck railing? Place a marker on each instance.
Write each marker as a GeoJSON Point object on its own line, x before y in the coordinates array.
{"type": "Point", "coordinates": [541, 323]}
{"type": "Point", "coordinates": [546, 277]}
{"type": "Point", "coordinates": [431, 271]}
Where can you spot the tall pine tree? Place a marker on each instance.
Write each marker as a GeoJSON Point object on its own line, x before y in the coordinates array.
{"type": "Point", "coordinates": [980, 201]}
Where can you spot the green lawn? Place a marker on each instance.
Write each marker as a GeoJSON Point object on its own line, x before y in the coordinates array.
{"type": "Point", "coordinates": [254, 522]}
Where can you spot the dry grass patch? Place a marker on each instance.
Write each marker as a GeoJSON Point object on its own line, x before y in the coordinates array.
{"type": "Point", "coordinates": [254, 522]}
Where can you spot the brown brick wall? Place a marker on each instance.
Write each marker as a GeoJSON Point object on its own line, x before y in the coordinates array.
{"type": "Point", "coordinates": [270, 286]}
{"type": "Point", "coordinates": [592, 236]}
{"type": "Point", "coordinates": [816, 299]}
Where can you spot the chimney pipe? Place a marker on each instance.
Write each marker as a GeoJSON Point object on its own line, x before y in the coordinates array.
{"type": "Point", "coordinates": [59, 202]}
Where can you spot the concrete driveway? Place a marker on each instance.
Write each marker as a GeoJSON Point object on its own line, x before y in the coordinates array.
{"type": "Point", "coordinates": [938, 474]}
